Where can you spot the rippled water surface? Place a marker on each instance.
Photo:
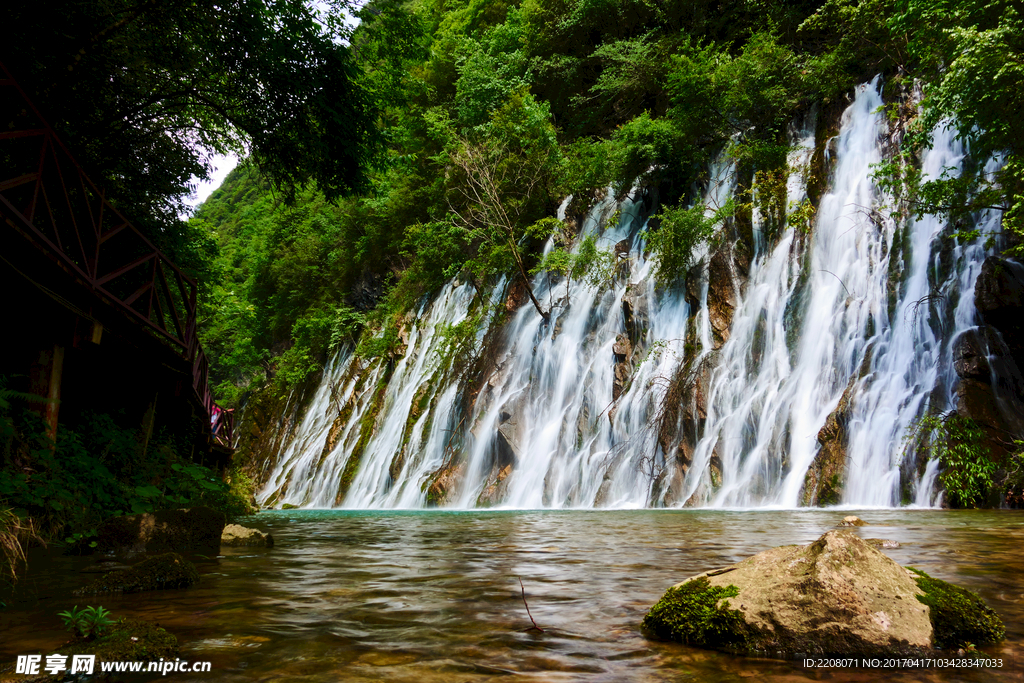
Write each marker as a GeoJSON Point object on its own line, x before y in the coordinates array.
{"type": "Point", "coordinates": [434, 596]}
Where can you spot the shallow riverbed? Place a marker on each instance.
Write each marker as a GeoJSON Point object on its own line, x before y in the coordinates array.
{"type": "Point", "coordinates": [434, 596]}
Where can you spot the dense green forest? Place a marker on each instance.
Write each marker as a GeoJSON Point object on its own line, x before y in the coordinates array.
{"type": "Point", "coordinates": [492, 112]}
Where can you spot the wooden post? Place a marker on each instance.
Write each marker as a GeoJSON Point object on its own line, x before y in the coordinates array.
{"type": "Point", "coordinates": [147, 423]}
{"type": "Point", "coordinates": [45, 382]}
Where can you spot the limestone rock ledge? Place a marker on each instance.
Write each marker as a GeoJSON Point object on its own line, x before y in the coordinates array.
{"type": "Point", "coordinates": [836, 596]}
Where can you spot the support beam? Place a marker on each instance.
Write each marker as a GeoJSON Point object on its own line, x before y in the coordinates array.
{"type": "Point", "coordinates": [45, 382]}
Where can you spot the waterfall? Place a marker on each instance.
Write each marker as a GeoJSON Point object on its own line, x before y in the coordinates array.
{"type": "Point", "coordinates": [845, 325]}
{"type": "Point", "coordinates": [398, 454]}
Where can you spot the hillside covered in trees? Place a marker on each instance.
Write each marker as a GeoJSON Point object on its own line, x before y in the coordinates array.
{"type": "Point", "coordinates": [494, 112]}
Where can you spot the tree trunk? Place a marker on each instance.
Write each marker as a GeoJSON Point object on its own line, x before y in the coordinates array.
{"type": "Point", "coordinates": [526, 281]}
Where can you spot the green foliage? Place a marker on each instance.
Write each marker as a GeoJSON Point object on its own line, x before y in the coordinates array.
{"type": "Point", "coordinates": [970, 55]}
{"type": "Point", "coordinates": [856, 41]}
{"type": "Point", "coordinates": [959, 444]}
{"type": "Point", "coordinates": [588, 168]}
{"type": "Point", "coordinates": [458, 341]}
{"type": "Point", "coordinates": [649, 148]}
{"type": "Point", "coordinates": [585, 263]}
{"type": "Point", "coordinates": [98, 468]}
{"type": "Point", "coordinates": [958, 616]}
{"type": "Point", "coordinates": [632, 74]}
{"type": "Point", "coordinates": [696, 613]}
{"type": "Point", "coordinates": [491, 71]}
{"type": "Point", "coordinates": [438, 251]}
{"type": "Point", "coordinates": [88, 622]}
{"type": "Point", "coordinates": [681, 232]}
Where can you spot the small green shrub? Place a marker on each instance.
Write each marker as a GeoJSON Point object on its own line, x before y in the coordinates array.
{"type": "Point", "coordinates": [88, 622]}
{"type": "Point", "coordinates": [959, 444]}
{"type": "Point", "coordinates": [681, 232]}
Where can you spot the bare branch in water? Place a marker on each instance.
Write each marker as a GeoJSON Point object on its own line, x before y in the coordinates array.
{"type": "Point", "coordinates": [534, 627]}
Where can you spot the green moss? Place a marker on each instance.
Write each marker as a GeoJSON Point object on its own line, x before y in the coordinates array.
{"type": "Point", "coordinates": [289, 506]}
{"type": "Point", "coordinates": [163, 571]}
{"type": "Point", "coordinates": [150, 643]}
{"type": "Point", "coordinates": [959, 617]}
{"type": "Point", "coordinates": [831, 491]}
{"type": "Point", "coordinates": [692, 614]}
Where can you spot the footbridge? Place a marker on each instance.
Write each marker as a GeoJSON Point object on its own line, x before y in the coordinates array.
{"type": "Point", "coordinates": [96, 317]}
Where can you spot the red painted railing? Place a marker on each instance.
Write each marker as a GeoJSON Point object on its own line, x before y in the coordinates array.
{"type": "Point", "coordinates": [45, 195]}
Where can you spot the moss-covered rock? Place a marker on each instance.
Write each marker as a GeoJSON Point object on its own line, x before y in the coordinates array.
{"type": "Point", "coordinates": [823, 483]}
{"type": "Point", "coordinates": [190, 529]}
{"type": "Point", "coordinates": [836, 596]}
{"type": "Point", "coordinates": [128, 640]}
{"type": "Point", "coordinates": [958, 616]}
{"type": "Point", "coordinates": [163, 571]}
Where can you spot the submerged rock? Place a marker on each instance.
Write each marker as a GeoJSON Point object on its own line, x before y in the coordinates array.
{"type": "Point", "coordinates": [170, 570]}
{"type": "Point", "coordinates": [105, 567]}
{"type": "Point", "coordinates": [836, 596]}
{"type": "Point", "coordinates": [191, 529]}
{"type": "Point", "coordinates": [128, 640]}
{"type": "Point", "coordinates": [238, 535]}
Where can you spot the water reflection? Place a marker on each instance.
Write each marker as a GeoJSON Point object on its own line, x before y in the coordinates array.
{"type": "Point", "coordinates": [433, 596]}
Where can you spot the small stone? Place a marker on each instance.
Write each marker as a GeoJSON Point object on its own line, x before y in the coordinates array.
{"type": "Point", "coordinates": [622, 348]}
{"type": "Point", "coordinates": [236, 535]}
{"type": "Point", "coordinates": [882, 542]}
{"type": "Point", "coordinates": [851, 520]}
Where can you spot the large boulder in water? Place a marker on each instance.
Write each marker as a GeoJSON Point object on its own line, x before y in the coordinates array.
{"type": "Point", "coordinates": [191, 529]}
{"type": "Point", "coordinates": [836, 596]}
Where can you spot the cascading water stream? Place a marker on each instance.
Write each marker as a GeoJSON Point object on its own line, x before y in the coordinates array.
{"type": "Point", "coordinates": [311, 470]}
{"type": "Point", "coordinates": [858, 311]}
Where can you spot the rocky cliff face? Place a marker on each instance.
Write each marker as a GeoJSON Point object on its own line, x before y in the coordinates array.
{"type": "Point", "coordinates": [989, 358]}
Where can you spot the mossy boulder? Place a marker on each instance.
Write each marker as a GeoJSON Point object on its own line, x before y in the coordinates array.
{"type": "Point", "coordinates": [128, 640]}
{"type": "Point", "coordinates": [836, 596]}
{"type": "Point", "coordinates": [156, 573]}
{"type": "Point", "coordinates": [191, 529]}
